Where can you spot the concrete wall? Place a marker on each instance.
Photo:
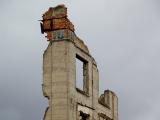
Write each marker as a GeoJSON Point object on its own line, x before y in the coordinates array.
{"type": "Point", "coordinates": [65, 100]}
{"type": "Point", "coordinates": [59, 85]}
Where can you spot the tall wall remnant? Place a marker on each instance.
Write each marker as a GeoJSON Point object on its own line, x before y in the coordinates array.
{"type": "Point", "coordinates": [66, 100]}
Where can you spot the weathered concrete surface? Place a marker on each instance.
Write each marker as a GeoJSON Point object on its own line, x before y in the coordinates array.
{"type": "Point", "coordinates": [66, 102]}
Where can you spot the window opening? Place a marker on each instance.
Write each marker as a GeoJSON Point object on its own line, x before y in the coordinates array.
{"type": "Point", "coordinates": [81, 74]}
{"type": "Point", "coordinates": [83, 116]}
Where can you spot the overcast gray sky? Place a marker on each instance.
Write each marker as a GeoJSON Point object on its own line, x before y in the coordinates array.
{"type": "Point", "coordinates": [122, 35]}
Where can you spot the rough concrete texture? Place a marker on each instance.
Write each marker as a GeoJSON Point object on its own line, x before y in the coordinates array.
{"type": "Point", "coordinates": [66, 101]}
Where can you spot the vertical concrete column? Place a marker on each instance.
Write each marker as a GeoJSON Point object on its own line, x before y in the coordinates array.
{"type": "Point", "coordinates": [112, 101]}
{"type": "Point", "coordinates": [56, 80]}
{"type": "Point", "coordinates": [59, 80]}
{"type": "Point", "coordinates": [95, 89]}
{"type": "Point", "coordinates": [71, 69]}
{"type": "Point", "coordinates": [108, 98]}
{"type": "Point", "coordinates": [115, 107]}
{"type": "Point", "coordinates": [47, 80]}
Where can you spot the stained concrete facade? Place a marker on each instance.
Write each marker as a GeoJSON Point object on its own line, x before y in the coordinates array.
{"type": "Point", "coordinates": [65, 100]}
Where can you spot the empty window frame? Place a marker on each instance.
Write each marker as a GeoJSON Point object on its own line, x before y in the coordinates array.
{"type": "Point", "coordinates": [82, 82]}
{"type": "Point", "coordinates": [84, 116]}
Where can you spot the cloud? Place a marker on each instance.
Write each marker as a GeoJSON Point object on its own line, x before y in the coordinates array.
{"type": "Point", "coordinates": [123, 36]}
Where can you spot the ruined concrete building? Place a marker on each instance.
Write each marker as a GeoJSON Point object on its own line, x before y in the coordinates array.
{"type": "Point", "coordinates": [68, 101]}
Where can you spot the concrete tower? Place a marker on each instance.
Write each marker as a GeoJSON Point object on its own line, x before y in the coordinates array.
{"type": "Point", "coordinates": [67, 100]}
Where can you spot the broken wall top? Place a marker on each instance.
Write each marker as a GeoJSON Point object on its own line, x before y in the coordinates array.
{"type": "Point", "coordinates": [57, 26]}
{"type": "Point", "coordinates": [59, 11]}
{"type": "Point", "coordinates": [56, 18]}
